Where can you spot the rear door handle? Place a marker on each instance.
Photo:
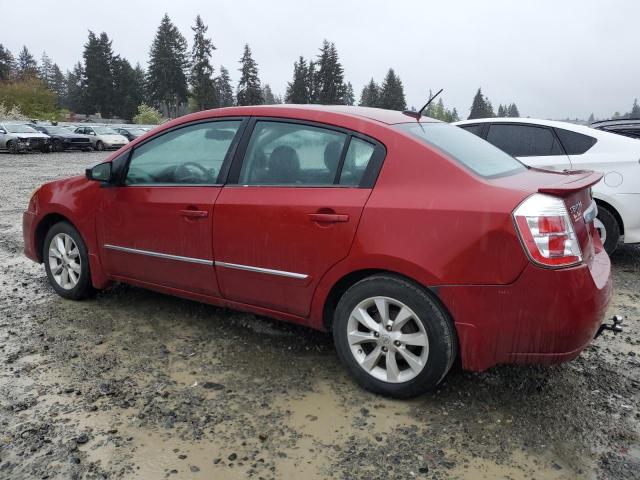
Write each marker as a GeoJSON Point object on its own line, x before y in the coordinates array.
{"type": "Point", "coordinates": [328, 217]}
{"type": "Point", "coordinates": [194, 213]}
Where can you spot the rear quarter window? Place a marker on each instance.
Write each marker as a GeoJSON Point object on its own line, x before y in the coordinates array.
{"type": "Point", "coordinates": [466, 148]}
{"type": "Point", "coordinates": [575, 143]}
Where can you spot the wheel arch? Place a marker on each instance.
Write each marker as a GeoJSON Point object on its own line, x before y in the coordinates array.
{"type": "Point", "coordinates": [613, 211]}
{"type": "Point", "coordinates": [348, 280]}
{"type": "Point", "coordinates": [48, 221]}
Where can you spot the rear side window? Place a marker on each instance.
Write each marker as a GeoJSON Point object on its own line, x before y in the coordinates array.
{"type": "Point", "coordinates": [471, 151]}
{"type": "Point", "coordinates": [356, 162]}
{"type": "Point", "coordinates": [575, 143]}
{"type": "Point", "coordinates": [524, 140]}
{"type": "Point", "coordinates": [282, 153]}
{"type": "Point", "coordinates": [475, 129]}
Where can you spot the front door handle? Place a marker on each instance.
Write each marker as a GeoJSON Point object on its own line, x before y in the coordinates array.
{"type": "Point", "coordinates": [328, 217]}
{"type": "Point", "coordinates": [194, 213]}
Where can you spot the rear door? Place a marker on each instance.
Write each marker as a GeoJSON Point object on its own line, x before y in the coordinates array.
{"type": "Point", "coordinates": [156, 226]}
{"type": "Point", "coordinates": [290, 211]}
{"type": "Point", "coordinates": [533, 145]}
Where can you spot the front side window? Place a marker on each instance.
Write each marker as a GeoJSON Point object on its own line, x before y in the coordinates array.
{"type": "Point", "coordinates": [524, 140]}
{"type": "Point", "coordinates": [188, 155]}
{"type": "Point", "coordinates": [470, 150]}
{"type": "Point", "coordinates": [282, 153]}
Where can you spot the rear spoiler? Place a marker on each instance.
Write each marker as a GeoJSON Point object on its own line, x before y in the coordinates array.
{"type": "Point", "coordinates": [574, 181]}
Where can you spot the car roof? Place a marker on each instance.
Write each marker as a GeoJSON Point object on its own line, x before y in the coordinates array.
{"type": "Point", "coordinates": [626, 122]}
{"type": "Point", "coordinates": [532, 121]}
{"type": "Point", "coordinates": [381, 115]}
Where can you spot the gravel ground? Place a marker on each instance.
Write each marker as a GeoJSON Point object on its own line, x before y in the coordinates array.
{"type": "Point", "coordinates": [135, 384]}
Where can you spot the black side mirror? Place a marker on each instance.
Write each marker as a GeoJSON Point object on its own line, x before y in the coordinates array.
{"type": "Point", "coordinates": [2, 130]}
{"type": "Point", "coordinates": [99, 173]}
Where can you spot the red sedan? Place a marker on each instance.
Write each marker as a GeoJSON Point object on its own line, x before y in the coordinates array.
{"type": "Point", "coordinates": [413, 241]}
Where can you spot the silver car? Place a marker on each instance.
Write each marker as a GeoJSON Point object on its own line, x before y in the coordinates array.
{"type": "Point", "coordinates": [103, 137]}
{"type": "Point", "coordinates": [17, 138]}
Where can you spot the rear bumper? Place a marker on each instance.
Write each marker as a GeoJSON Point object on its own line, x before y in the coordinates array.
{"type": "Point", "coordinates": [545, 316]}
{"type": "Point", "coordinates": [29, 237]}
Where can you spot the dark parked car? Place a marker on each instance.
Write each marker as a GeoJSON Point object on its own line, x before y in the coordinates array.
{"type": "Point", "coordinates": [62, 139]}
{"type": "Point", "coordinates": [414, 242]}
{"type": "Point", "coordinates": [628, 128]}
{"type": "Point", "coordinates": [130, 133]}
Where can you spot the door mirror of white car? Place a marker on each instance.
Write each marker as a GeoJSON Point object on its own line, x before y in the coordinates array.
{"type": "Point", "coordinates": [3, 131]}
{"type": "Point", "coordinates": [99, 173]}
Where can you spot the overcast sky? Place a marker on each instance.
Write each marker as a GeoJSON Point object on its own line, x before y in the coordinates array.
{"type": "Point", "coordinates": [553, 58]}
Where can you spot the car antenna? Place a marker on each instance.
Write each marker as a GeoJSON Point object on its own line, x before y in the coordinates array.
{"type": "Point", "coordinates": [418, 114]}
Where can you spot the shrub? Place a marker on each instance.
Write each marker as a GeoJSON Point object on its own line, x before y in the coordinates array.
{"type": "Point", "coordinates": [147, 115]}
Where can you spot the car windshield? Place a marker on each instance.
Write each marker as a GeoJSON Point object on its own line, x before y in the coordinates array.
{"type": "Point", "coordinates": [20, 129]}
{"type": "Point", "coordinates": [468, 149]}
{"type": "Point", "coordinates": [57, 130]}
{"type": "Point", "coordinates": [136, 131]}
{"type": "Point", "coordinates": [105, 131]}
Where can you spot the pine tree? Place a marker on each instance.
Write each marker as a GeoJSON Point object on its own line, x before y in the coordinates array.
{"type": "Point", "coordinates": [481, 107]}
{"type": "Point", "coordinates": [312, 83]}
{"type": "Point", "coordinates": [635, 110]}
{"type": "Point", "coordinates": [140, 78]}
{"type": "Point", "coordinates": [74, 100]}
{"type": "Point", "coordinates": [45, 72]}
{"type": "Point", "coordinates": [591, 118]}
{"type": "Point", "coordinates": [249, 90]}
{"type": "Point", "coordinates": [349, 96]}
{"type": "Point", "coordinates": [98, 82]}
{"type": "Point", "coordinates": [330, 76]}
{"type": "Point", "coordinates": [370, 95]}
{"type": "Point", "coordinates": [501, 111]}
{"type": "Point", "coordinates": [267, 95]}
{"type": "Point", "coordinates": [392, 93]}
{"type": "Point", "coordinates": [126, 89]}
{"type": "Point", "coordinates": [58, 84]}
{"type": "Point", "coordinates": [27, 67]}
{"type": "Point", "coordinates": [454, 117]}
{"type": "Point", "coordinates": [7, 64]}
{"type": "Point", "coordinates": [224, 90]}
{"type": "Point", "coordinates": [201, 79]}
{"type": "Point", "coordinates": [297, 89]}
{"type": "Point", "coordinates": [168, 63]}
{"type": "Point", "coordinates": [512, 111]}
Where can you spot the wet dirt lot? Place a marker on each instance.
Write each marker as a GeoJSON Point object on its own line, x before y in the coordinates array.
{"type": "Point", "coordinates": [135, 384]}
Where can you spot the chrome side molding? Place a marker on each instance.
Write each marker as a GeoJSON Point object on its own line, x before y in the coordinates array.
{"type": "Point", "coordinates": [267, 271]}
{"type": "Point", "coordinates": [149, 253]}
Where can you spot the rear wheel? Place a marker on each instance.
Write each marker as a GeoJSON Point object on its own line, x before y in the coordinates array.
{"type": "Point", "coordinates": [608, 228]}
{"type": "Point", "coordinates": [66, 262]}
{"type": "Point", "coordinates": [393, 337]}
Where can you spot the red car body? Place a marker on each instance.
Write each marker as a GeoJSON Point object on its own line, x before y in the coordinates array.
{"type": "Point", "coordinates": [427, 218]}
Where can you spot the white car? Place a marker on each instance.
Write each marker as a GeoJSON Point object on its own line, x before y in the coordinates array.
{"type": "Point", "coordinates": [103, 137]}
{"type": "Point", "coordinates": [564, 146]}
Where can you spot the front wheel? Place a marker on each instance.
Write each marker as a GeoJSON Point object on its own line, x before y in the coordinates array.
{"type": "Point", "coordinates": [99, 146]}
{"type": "Point", "coordinates": [12, 146]}
{"type": "Point", "coordinates": [393, 337]}
{"type": "Point", "coordinates": [608, 228]}
{"type": "Point", "coordinates": [66, 262]}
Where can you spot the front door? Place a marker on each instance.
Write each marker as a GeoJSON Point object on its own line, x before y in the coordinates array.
{"type": "Point", "coordinates": [292, 212]}
{"type": "Point", "coordinates": [156, 226]}
{"type": "Point", "coordinates": [533, 145]}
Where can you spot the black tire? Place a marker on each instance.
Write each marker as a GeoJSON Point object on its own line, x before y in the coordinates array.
{"type": "Point", "coordinates": [57, 146]}
{"type": "Point", "coordinates": [83, 287]}
{"type": "Point", "coordinates": [12, 146]}
{"type": "Point", "coordinates": [99, 146]}
{"type": "Point", "coordinates": [442, 340]}
{"type": "Point", "coordinates": [612, 229]}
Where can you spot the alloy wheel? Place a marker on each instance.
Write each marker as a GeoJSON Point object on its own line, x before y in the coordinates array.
{"type": "Point", "coordinates": [64, 261]}
{"type": "Point", "coordinates": [387, 339]}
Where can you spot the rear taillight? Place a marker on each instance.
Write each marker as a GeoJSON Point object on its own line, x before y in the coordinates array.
{"type": "Point", "coordinates": [547, 234]}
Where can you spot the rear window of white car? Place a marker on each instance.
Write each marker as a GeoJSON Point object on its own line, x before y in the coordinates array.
{"type": "Point", "coordinates": [468, 149]}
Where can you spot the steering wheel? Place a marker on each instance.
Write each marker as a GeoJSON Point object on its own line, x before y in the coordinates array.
{"type": "Point", "coordinates": [186, 173]}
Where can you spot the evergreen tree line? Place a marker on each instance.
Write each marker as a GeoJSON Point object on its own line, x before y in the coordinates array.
{"type": "Point", "coordinates": [481, 107]}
